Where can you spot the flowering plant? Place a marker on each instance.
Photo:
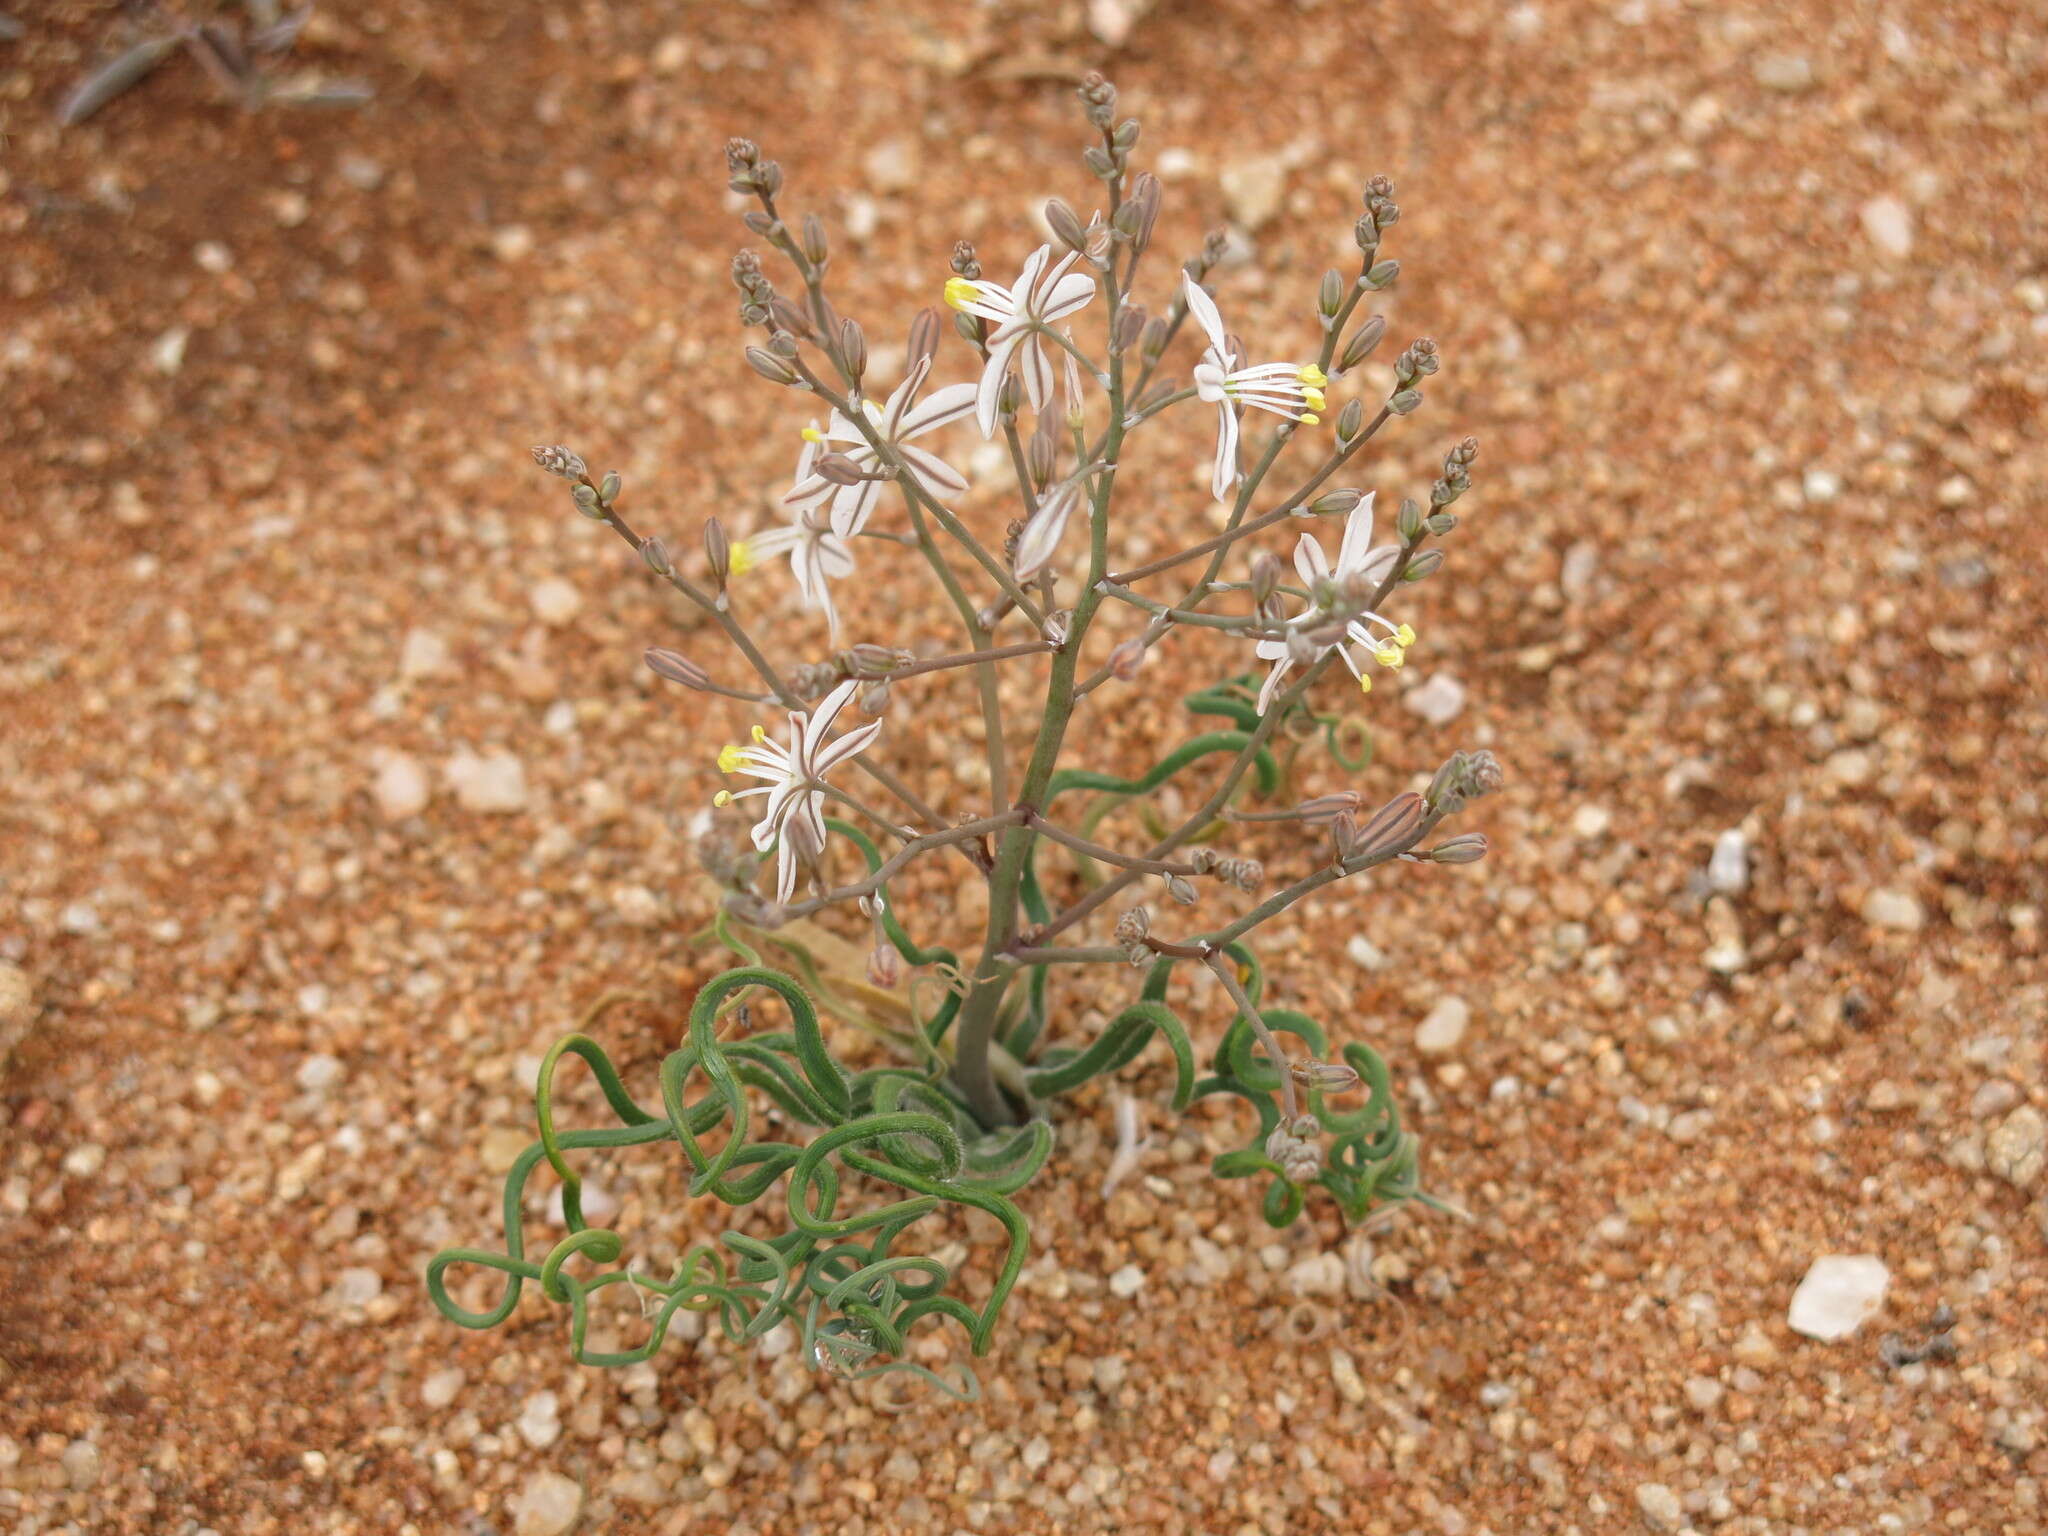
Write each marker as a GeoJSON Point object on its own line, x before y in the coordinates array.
{"type": "Point", "coordinates": [960, 1118]}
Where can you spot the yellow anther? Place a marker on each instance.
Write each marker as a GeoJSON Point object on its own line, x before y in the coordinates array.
{"type": "Point", "coordinates": [813, 435]}
{"type": "Point", "coordinates": [759, 735]}
{"type": "Point", "coordinates": [1312, 376]}
{"type": "Point", "coordinates": [960, 292]}
{"type": "Point", "coordinates": [742, 557]}
{"type": "Point", "coordinates": [1389, 655]}
{"type": "Point", "coordinates": [1404, 636]}
{"type": "Point", "coordinates": [1314, 397]}
{"type": "Point", "coordinates": [1309, 419]}
{"type": "Point", "coordinates": [730, 759]}
{"type": "Point", "coordinates": [722, 799]}
{"type": "Point", "coordinates": [1365, 685]}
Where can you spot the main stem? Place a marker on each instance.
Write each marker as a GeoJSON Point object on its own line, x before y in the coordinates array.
{"type": "Point", "coordinates": [981, 1008]}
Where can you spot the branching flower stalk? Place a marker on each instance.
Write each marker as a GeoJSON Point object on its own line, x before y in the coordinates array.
{"type": "Point", "coordinates": [963, 1118]}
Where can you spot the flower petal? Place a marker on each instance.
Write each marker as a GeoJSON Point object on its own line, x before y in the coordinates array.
{"type": "Point", "coordinates": [933, 472]}
{"type": "Point", "coordinates": [988, 394]}
{"type": "Point", "coordinates": [1226, 450]}
{"type": "Point", "coordinates": [1280, 669]}
{"type": "Point", "coordinates": [940, 408]}
{"type": "Point", "coordinates": [1206, 314]}
{"type": "Point", "coordinates": [1310, 561]}
{"type": "Point", "coordinates": [1036, 371]}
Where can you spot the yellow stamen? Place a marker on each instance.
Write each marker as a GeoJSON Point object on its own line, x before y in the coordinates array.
{"type": "Point", "coordinates": [1404, 636]}
{"type": "Point", "coordinates": [1365, 685]}
{"type": "Point", "coordinates": [1312, 376]}
{"type": "Point", "coordinates": [730, 759]}
{"type": "Point", "coordinates": [813, 435]}
{"type": "Point", "coordinates": [722, 799]}
{"type": "Point", "coordinates": [960, 292]}
{"type": "Point", "coordinates": [759, 735]}
{"type": "Point", "coordinates": [742, 557]}
{"type": "Point", "coordinates": [1309, 419]}
{"type": "Point", "coordinates": [1389, 655]}
{"type": "Point", "coordinates": [1314, 397]}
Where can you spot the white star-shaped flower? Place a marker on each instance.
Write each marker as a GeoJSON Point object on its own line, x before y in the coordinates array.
{"type": "Point", "coordinates": [1293, 390]}
{"type": "Point", "coordinates": [795, 775]}
{"type": "Point", "coordinates": [896, 421]}
{"type": "Point", "coordinates": [1040, 538]}
{"type": "Point", "coordinates": [1018, 313]}
{"type": "Point", "coordinates": [1358, 563]}
{"type": "Point", "coordinates": [818, 549]}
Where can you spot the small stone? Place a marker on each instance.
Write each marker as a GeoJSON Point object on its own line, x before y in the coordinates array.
{"type": "Point", "coordinates": [637, 905]}
{"type": "Point", "coordinates": [549, 1505]}
{"type": "Point", "coordinates": [1443, 1027]}
{"type": "Point", "coordinates": [1320, 1274]}
{"type": "Point", "coordinates": [892, 165]}
{"type": "Point", "coordinates": [81, 1463]}
{"type": "Point", "coordinates": [1439, 701]}
{"type": "Point", "coordinates": [318, 1073]}
{"type": "Point", "coordinates": [1839, 1293]}
{"type": "Point", "coordinates": [443, 1387]}
{"type": "Point", "coordinates": [1252, 189]}
{"type": "Point", "coordinates": [493, 784]}
{"type": "Point", "coordinates": [555, 602]}
{"type": "Point", "coordinates": [85, 1160]}
{"type": "Point", "coordinates": [1344, 1372]}
{"type": "Point", "coordinates": [402, 789]}
{"type": "Point", "coordinates": [81, 919]}
{"type": "Point", "coordinates": [167, 352]}
{"type": "Point", "coordinates": [1993, 1098]}
{"type": "Point", "coordinates": [1703, 1393]}
{"type": "Point", "coordinates": [2017, 1148]}
{"type": "Point", "coordinates": [17, 1008]}
{"type": "Point", "coordinates": [357, 1287]}
{"type": "Point", "coordinates": [1900, 910]}
{"type": "Point", "coordinates": [1109, 1372]}
{"type": "Point", "coordinates": [1889, 224]}
{"type": "Point", "coordinates": [1363, 952]}
{"type": "Point", "coordinates": [1589, 822]}
{"type": "Point", "coordinates": [1728, 866]}
{"type": "Point", "coordinates": [424, 654]}
{"type": "Point", "coordinates": [671, 54]}
{"type": "Point", "coordinates": [512, 243]}
{"type": "Point", "coordinates": [540, 1420]}
{"type": "Point", "coordinates": [1127, 1282]}
{"type": "Point", "coordinates": [1660, 1507]}
{"type": "Point", "coordinates": [1821, 485]}
{"type": "Point", "coordinates": [1787, 72]}
{"type": "Point", "coordinates": [1755, 1349]}
{"type": "Point", "coordinates": [213, 257]}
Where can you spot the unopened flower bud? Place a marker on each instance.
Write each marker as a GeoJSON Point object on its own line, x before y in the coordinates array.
{"type": "Point", "coordinates": [1203, 860]}
{"type": "Point", "coordinates": [1065, 224]}
{"type": "Point", "coordinates": [1362, 342]}
{"type": "Point", "coordinates": [1330, 298]}
{"type": "Point", "coordinates": [1182, 890]}
{"type": "Point", "coordinates": [1440, 523]}
{"type": "Point", "coordinates": [816, 250]}
{"type": "Point", "coordinates": [1266, 574]}
{"type": "Point", "coordinates": [609, 487]}
{"type": "Point", "coordinates": [1242, 874]}
{"type": "Point", "coordinates": [1446, 790]}
{"type": "Point", "coordinates": [1133, 925]}
{"type": "Point", "coordinates": [784, 345]}
{"type": "Point", "coordinates": [853, 347]}
{"type": "Point", "coordinates": [874, 697]}
{"type": "Point", "coordinates": [557, 460]}
{"type": "Point", "coordinates": [1058, 625]}
{"type": "Point", "coordinates": [676, 667]}
{"type": "Point", "coordinates": [1383, 274]}
{"type": "Point", "coordinates": [1483, 773]}
{"type": "Point", "coordinates": [1423, 565]}
{"type": "Point", "coordinates": [587, 503]}
{"type": "Point", "coordinates": [1126, 659]}
{"type": "Point", "coordinates": [1350, 422]}
{"type": "Point", "coordinates": [655, 553]}
{"type": "Point", "coordinates": [837, 468]}
{"type": "Point", "coordinates": [1405, 402]}
{"type": "Point", "coordinates": [964, 262]}
{"type": "Point", "coordinates": [789, 319]}
{"type": "Point", "coordinates": [1326, 808]}
{"type": "Point", "coordinates": [877, 659]}
{"type": "Point", "coordinates": [1466, 848]}
{"type": "Point", "coordinates": [717, 551]}
{"type": "Point", "coordinates": [1153, 345]}
{"type": "Point", "coordinates": [1144, 196]}
{"type": "Point", "coordinates": [1390, 830]}
{"type": "Point", "coordinates": [1335, 503]}
{"type": "Point", "coordinates": [1330, 1076]}
{"type": "Point", "coordinates": [1129, 328]}
{"type": "Point", "coordinates": [771, 367]}
{"type": "Point", "coordinates": [1408, 522]}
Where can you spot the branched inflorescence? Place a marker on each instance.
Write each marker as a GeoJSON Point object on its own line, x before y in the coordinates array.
{"type": "Point", "coordinates": [961, 1119]}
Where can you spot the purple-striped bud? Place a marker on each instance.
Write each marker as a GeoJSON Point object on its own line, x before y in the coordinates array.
{"type": "Point", "coordinates": [676, 667]}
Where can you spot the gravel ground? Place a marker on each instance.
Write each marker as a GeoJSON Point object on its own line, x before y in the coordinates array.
{"type": "Point", "coordinates": [334, 791]}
